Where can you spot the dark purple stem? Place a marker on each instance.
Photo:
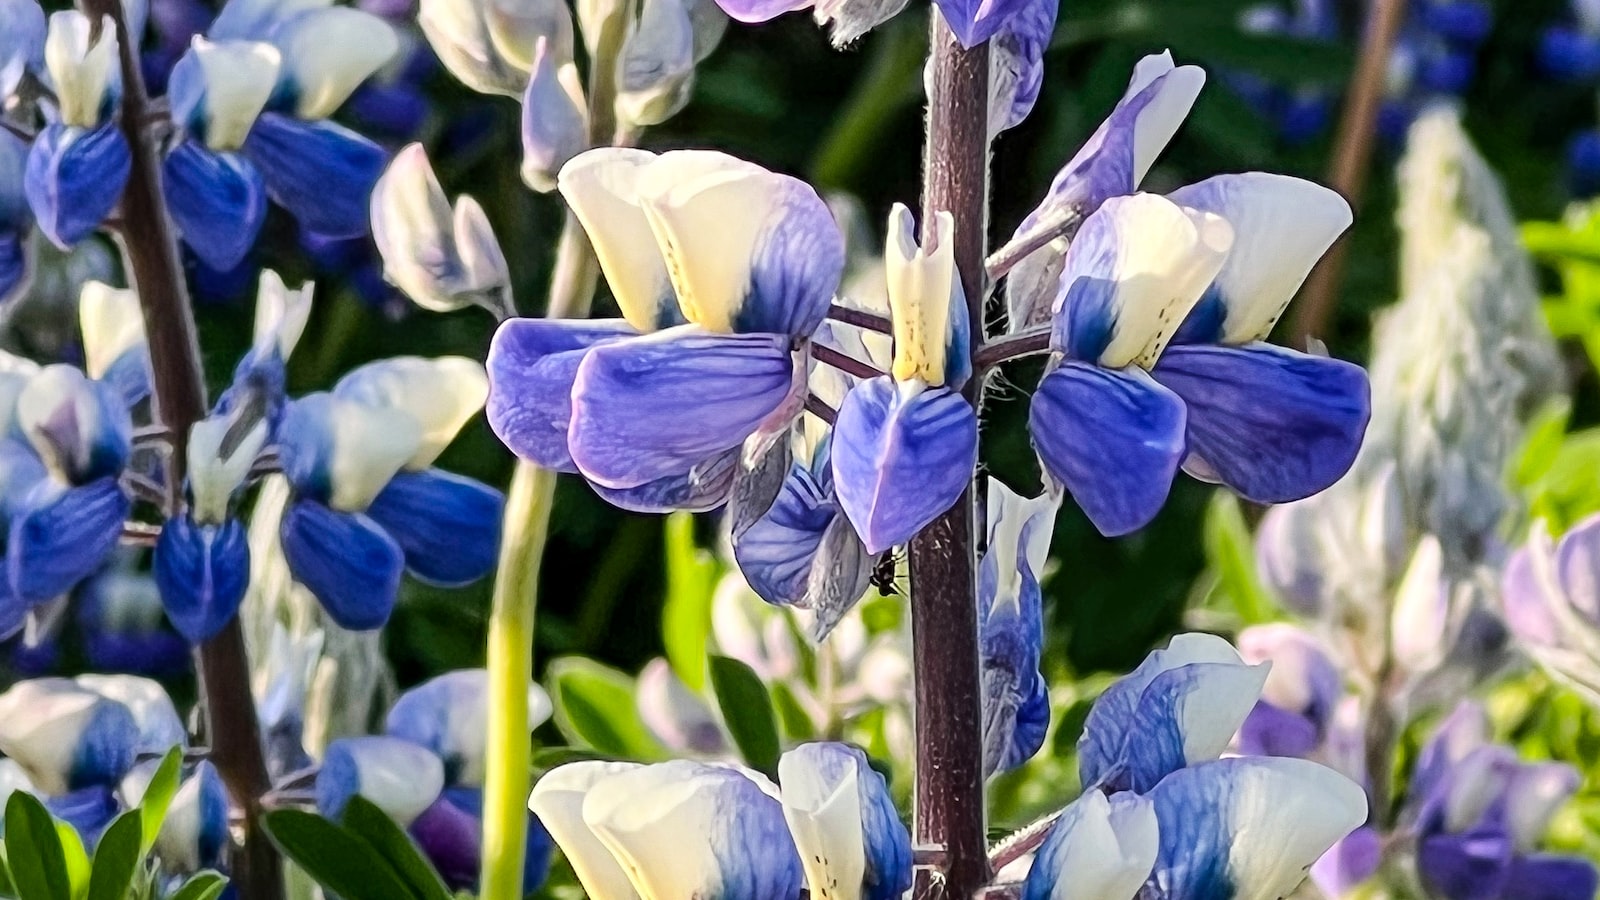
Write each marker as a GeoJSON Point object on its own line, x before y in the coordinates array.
{"type": "Point", "coordinates": [950, 811]}
{"type": "Point", "coordinates": [860, 318]}
{"type": "Point", "coordinates": [180, 401]}
{"type": "Point", "coordinates": [846, 364]}
{"type": "Point", "coordinates": [1012, 346]}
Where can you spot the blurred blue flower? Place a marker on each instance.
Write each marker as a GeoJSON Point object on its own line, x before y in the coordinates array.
{"type": "Point", "coordinates": [1016, 699]}
{"type": "Point", "coordinates": [723, 270]}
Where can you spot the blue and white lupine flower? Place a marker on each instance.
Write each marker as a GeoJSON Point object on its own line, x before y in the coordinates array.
{"type": "Point", "coordinates": [115, 353]}
{"type": "Point", "coordinates": [1248, 828]}
{"type": "Point", "coordinates": [1180, 707]}
{"type": "Point", "coordinates": [252, 99]}
{"type": "Point", "coordinates": [155, 717]}
{"type": "Point", "coordinates": [1480, 815]}
{"type": "Point", "coordinates": [449, 716]}
{"type": "Point", "coordinates": [367, 502]}
{"type": "Point", "coordinates": [844, 824]}
{"type": "Point", "coordinates": [1111, 163]}
{"type": "Point", "coordinates": [123, 624]}
{"type": "Point", "coordinates": [16, 217]}
{"type": "Point", "coordinates": [78, 164]}
{"type": "Point", "coordinates": [1273, 424]}
{"type": "Point", "coordinates": [1552, 603]}
{"type": "Point", "coordinates": [657, 64]}
{"type": "Point", "coordinates": [258, 379]}
{"type": "Point", "coordinates": [906, 444]}
{"type": "Point", "coordinates": [722, 270]}
{"type": "Point", "coordinates": [489, 45]}
{"type": "Point", "coordinates": [1299, 698]}
{"type": "Point", "coordinates": [678, 717]}
{"type": "Point", "coordinates": [22, 37]}
{"type": "Point", "coordinates": [66, 737]}
{"type": "Point", "coordinates": [1016, 699]}
{"type": "Point", "coordinates": [194, 832]}
{"type": "Point", "coordinates": [555, 122]}
{"type": "Point", "coordinates": [681, 828]}
{"type": "Point", "coordinates": [1104, 429]}
{"type": "Point", "coordinates": [1102, 847]}
{"type": "Point", "coordinates": [442, 259]}
{"type": "Point", "coordinates": [395, 775]}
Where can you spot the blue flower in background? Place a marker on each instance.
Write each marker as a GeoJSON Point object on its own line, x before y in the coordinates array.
{"type": "Point", "coordinates": [906, 444]}
{"type": "Point", "coordinates": [427, 772]}
{"type": "Point", "coordinates": [722, 270]}
{"type": "Point", "coordinates": [682, 829]}
{"type": "Point", "coordinates": [367, 503]}
{"type": "Point", "coordinates": [253, 98]}
{"type": "Point", "coordinates": [123, 624]}
{"type": "Point", "coordinates": [79, 161]}
{"type": "Point", "coordinates": [1016, 699]}
{"type": "Point", "coordinates": [1480, 814]}
{"type": "Point", "coordinates": [16, 218]}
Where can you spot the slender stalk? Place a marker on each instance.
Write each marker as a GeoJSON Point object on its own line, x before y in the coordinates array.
{"type": "Point", "coordinates": [1012, 346]}
{"type": "Point", "coordinates": [950, 810]}
{"type": "Point", "coordinates": [180, 401]}
{"type": "Point", "coordinates": [1353, 146]}
{"type": "Point", "coordinates": [860, 318]}
{"type": "Point", "coordinates": [526, 528]}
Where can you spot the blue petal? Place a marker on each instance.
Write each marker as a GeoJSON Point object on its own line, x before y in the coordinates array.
{"type": "Point", "coordinates": [74, 179]}
{"type": "Point", "coordinates": [901, 458]}
{"type": "Point", "coordinates": [321, 172]}
{"type": "Point", "coordinates": [1020, 45]}
{"type": "Point", "coordinates": [1113, 439]}
{"type": "Point", "coordinates": [202, 571]}
{"type": "Point", "coordinates": [446, 714]}
{"type": "Point", "coordinates": [1186, 715]}
{"type": "Point", "coordinates": [13, 264]}
{"type": "Point", "coordinates": [1569, 54]}
{"type": "Point", "coordinates": [1098, 847]}
{"type": "Point", "coordinates": [1273, 731]}
{"type": "Point", "coordinates": [451, 837]}
{"type": "Point", "coordinates": [107, 747]}
{"type": "Point", "coordinates": [397, 776]}
{"type": "Point", "coordinates": [1540, 877]}
{"type": "Point", "coordinates": [976, 21]}
{"type": "Point", "coordinates": [776, 551]}
{"type": "Point", "coordinates": [796, 269]}
{"type": "Point", "coordinates": [703, 488]}
{"type": "Point", "coordinates": [1351, 861]}
{"type": "Point", "coordinates": [812, 774]}
{"type": "Point", "coordinates": [64, 539]}
{"type": "Point", "coordinates": [88, 810]}
{"type": "Point", "coordinates": [653, 407]}
{"type": "Point", "coordinates": [1016, 701]}
{"type": "Point", "coordinates": [532, 364]}
{"type": "Point", "coordinates": [1475, 866]}
{"type": "Point", "coordinates": [448, 526]}
{"type": "Point", "coordinates": [218, 202]}
{"type": "Point", "coordinates": [211, 832]}
{"type": "Point", "coordinates": [1464, 21]}
{"type": "Point", "coordinates": [350, 564]}
{"type": "Point", "coordinates": [1273, 424]}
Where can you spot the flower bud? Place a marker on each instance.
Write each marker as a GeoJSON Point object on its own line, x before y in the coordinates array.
{"type": "Point", "coordinates": [657, 66]}
{"type": "Point", "coordinates": [554, 126]}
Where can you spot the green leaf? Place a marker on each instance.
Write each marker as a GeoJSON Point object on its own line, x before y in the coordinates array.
{"type": "Point", "coordinates": [797, 724]}
{"type": "Point", "coordinates": [7, 887]}
{"type": "Point", "coordinates": [207, 885]}
{"type": "Point", "coordinates": [76, 857]}
{"type": "Point", "coordinates": [594, 707]}
{"type": "Point", "coordinates": [1231, 552]}
{"type": "Point", "coordinates": [747, 712]}
{"type": "Point", "coordinates": [692, 574]}
{"type": "Point", "coordinates": [1542, 441]}
{"type": "Point", "coordinates": [33, 848]}
{"type": "Point", "coordinates": [373, 825]}
{"type": "Point", "coordinates": [158, 797]}
{"type": "Point", "coordinates": [338, 860]}
{"type": "Point", "coordinates": [117, 858]}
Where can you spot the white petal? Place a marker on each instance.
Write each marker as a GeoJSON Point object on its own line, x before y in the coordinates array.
{"type": "Point", "coordinates": [397, 776]}
{"type": "Point", "coordinates": [709, 211]}
{"type": "Point", "coordinates": [1010, 514]}
{"type": "Point", "coordinates": [822, 804]}
{"type": "Point", "coordinates": [1164, 114]}
{"type": "Point", "coordinates": [239, 79]}
{"type": "Point", "coordinates": [922, 287]}
{"type": "Point", "coordinates": [411, 224]}
{"type": "Point", "coordinates": [1281, 227]}
{"type": "Point", "coordinates": [1102, 848]}
{"type": "Point", "coordinates": [515, 27]}
{"type": "Point", "coordinates": [1161, 258]}
{"type": "Point", "coordinates": [327, 53]}
{"type": "Point", "coordinates": [602, 187]}
{"type": "Point", "coordinates": [64, 418]}
{"type": "Point", "coordinates": [41, 722]}
{"type": "Point", "coordinates": [1211, 713]}
{"type": "Point", "coordinates": [112, 324]}
{"type": "Point", "coordinates": [1285, 813]}
{"type": "Point", "coordinates": [439, 394]}
{"type": "Point", "coordinates": [1420, 621]}
{"type": "Point", "coordinates": [281, 313]}
{"type": "Point", "coordinates": [370, 445]}
{"type": "Point", "coordinates": [558, 802]}
{"type": "Point", "coordinates": [458, 31]}
{"type": "Point", "coordinates": [482, 260]}
{"type": "Point", "coordinates": [83, 72]}
{"type": "Point", "coordinates": [215, 475]}
{"type": "Point", "coordinates": [254, 20]}
{"type": "Point", "coordinates": [657, 64]}
{"type": "Point", "coordinates": [160, 728]}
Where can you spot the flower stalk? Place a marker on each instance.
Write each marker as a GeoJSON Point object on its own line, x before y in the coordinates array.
{"type": "Point", "coordinates": [179, 390]}
{"type": "Point", "coordinates": [950, 808]}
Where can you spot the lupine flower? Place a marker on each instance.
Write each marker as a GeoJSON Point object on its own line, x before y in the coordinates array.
{"type": "Point", "coordinates": [905, 444]}
{"type": "Point", "coordinates": [16, 217]}
{"type": "Point", "coordinates": [676, 715]}
{"type": "Point", "coordinates": [1111, 163]}
{"type": "Point", "coordinates": [426, 772]}
{"type": "Point", "coordinates": [1552, 603]}
{"type": "Point", "coordinates": [367, 502]}
{"type": "Point", "coordinates": [194, 832]}
{"type": "Point", "coordinates": [1299, 112]}
{"type": "Point", "coordinates": [1016, 700]}
{"type": "Point", "coordinates": [555, 125]}
{"type": "Point", "coordinates": [22, 39]}
{"type": "Point", "coordinates": [78, 164]}
{"type": "Point", "coordinates": [680, 829]}
{"type": "Point", "coordinates": [124, 625]}
{"type": "Point", "coordinates": [1103, 428]}
{"type": "Point", "coordinates": [489, 45]}
{"type": "Point", "coordinates": [1299, 697]}
{"type": "Point", "coordinates": [1480, 815]}
{"type": "Point", "coordinates": [1017, 53]}
{"type": "Point", "coordinates": [253, 99]}
{"type": "Point", "coordinates": [851, 19]}
{"type": "Point", "coordinates": [722, 270]}
{"type": "Point", "coordinates": [443, 259]}
{"type": "Point", "coordinates": [1163, 818]}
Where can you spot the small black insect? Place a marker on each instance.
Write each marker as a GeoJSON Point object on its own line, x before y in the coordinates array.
{"type": "Point", "coordinates": [883, 576]}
